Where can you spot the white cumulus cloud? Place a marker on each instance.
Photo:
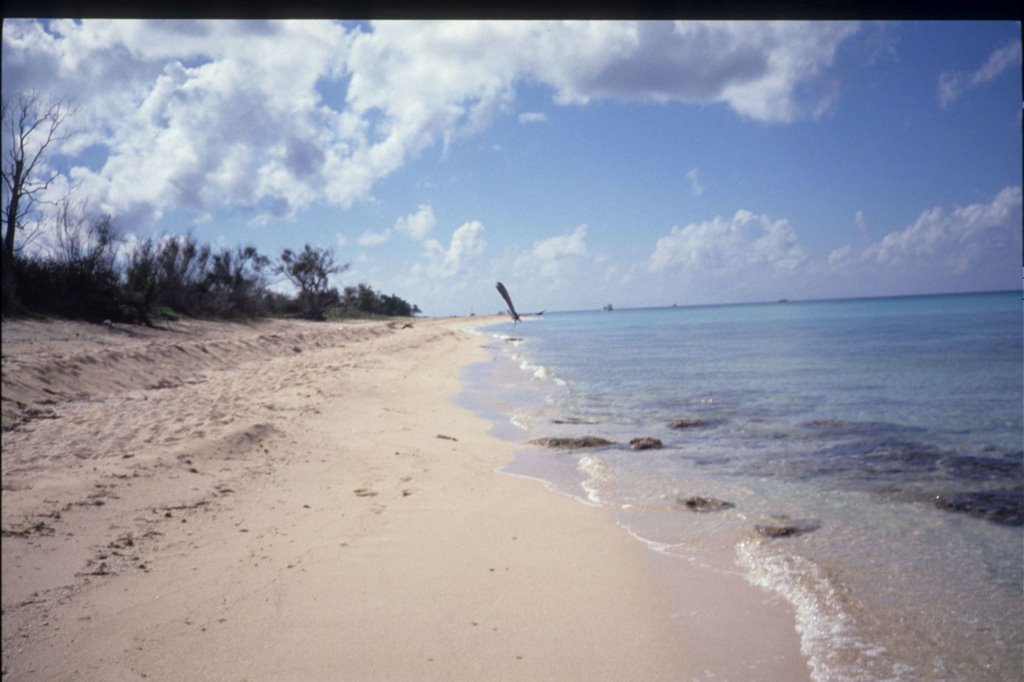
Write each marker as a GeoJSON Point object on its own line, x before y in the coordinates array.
{"type": "Point", "coordinates": [418, 224]}
{"type": "Point", "coordinates": [755, 68]}
{"type": "Point", "coordinates": [552, 257]}
{"type": "Point", "coordinates": [275, 116]}
{"type": "Point", "coordinates": [958, 236]}
{"type": "Point", "coordinates": [194, 115]}
{"type": "Point", "coordinates": [730, 244]}
{"type": "Point", "coordinates": [370, 238]}
{"type": "Point", "coordinates": [415, 225]}
{"type": "Point", "coordinates": [467, 244]}
{"type": "Point", "coordinates": [572, 244]}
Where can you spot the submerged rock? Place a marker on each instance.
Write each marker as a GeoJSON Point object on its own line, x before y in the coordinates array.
{"type": "Point", "coordinates": [572, 443]}
{"type": "Point", "coordinates": [704, 504]}
{"type": "Point", "coordinates": [645, 443]}
{"type": "Point", "coordinates": [1005, 507]}
{"type": "Point", "coordinates": [786, 528]}
{"type": "Point", "coordinates": [687, 423]}
{"type": "Point", "coordinates": [777, 531]}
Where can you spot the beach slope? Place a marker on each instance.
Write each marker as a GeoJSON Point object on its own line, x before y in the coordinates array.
{"type": "Point", "coordinates": [299, 501]}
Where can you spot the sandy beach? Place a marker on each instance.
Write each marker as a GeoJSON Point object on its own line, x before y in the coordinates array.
{"type": "Point", "coordinates": [303, 501]}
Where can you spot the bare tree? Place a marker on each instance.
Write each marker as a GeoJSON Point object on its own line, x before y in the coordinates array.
{"type": "Point", "coordinates": [310, 271]}
{"type": "Point", "coordinates": [30, 126]}
{"type": "Point", "coordinates": [72, 231]}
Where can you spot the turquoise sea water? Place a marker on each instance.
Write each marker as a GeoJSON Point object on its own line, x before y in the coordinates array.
{"type": "Point", "coordinates": [887, 431]}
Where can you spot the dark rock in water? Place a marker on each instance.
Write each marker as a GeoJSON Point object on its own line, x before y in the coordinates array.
{"type": "Point", "coordinates": [984, 468]}
{"type": "Point", "coordinates": [704, 504]}
{"type": "Point", "coordinates": [786, 528]}
{"type": "Point", "coordinates": [686, 423]}
{"type": "Point", "coordinates": [572, 443]}
{"type": "Point", "coordinates": [645, 444]}
{"type": "Point", "coordinates": [777, 531]}
{"type": "Point", "coordinates": [574, 420]}
{"type": "Point", "coordinates": [880, 460]}
{"type": "Point", "coordinates": [852, 428]}
{"type": "Point", "coordinates": [1005, 507]}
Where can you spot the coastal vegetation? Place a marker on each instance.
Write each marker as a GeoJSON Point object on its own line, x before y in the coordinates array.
{"type": "Point", "coordinates": [94, 276]}
{"type": "Point", "coordinates": [87, 271]}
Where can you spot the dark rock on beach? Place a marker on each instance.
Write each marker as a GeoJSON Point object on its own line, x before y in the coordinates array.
{"type": "Point", "coordinates": [645, 444]}
{"type": "Point", "coordinates": [704, 504]}
{"type": "Point", "coordinates": [687, 423]}
{"type": "Point", "coordinates": [572, 443]}
{"type": "Point", "coordinates": [1005, 507]}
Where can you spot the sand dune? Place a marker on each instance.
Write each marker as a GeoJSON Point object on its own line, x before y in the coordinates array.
{"type": "Point", "coordinates": [299, 501]}
{"type": "Point", "coordinates": [53, 362]}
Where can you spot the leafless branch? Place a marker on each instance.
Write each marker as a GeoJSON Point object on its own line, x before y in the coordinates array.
{"type": "Point", "coordinates": [31, 126]}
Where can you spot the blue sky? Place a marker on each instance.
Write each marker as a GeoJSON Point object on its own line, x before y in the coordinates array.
{"type": "Point", "coordinates": [580, 163]}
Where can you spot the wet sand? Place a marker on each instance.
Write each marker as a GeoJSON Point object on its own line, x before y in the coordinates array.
{"type": "Point", "coordinates": [300, 501]}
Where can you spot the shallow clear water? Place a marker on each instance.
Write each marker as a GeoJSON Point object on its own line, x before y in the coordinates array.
{"type": "Point", "coordinates": [888, 432]}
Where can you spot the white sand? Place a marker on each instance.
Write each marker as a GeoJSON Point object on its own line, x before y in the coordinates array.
{"type": "Point", "coordinates": [299, 501]}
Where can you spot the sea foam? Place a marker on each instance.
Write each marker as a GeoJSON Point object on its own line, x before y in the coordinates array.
{"type": "Point", "coordinates": [827, 631]}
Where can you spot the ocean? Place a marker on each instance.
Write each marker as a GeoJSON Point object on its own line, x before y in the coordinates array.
{"type": "Point", "coordinates": [860, 458]}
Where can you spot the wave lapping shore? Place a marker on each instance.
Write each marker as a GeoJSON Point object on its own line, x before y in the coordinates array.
{"type": "Point", "coordinates": [861, 459]}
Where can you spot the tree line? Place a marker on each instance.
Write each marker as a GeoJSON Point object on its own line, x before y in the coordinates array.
{"type": "Point", "coordinates": [91, 274]}
{"type": "Point", "coordinates": [88, 277]}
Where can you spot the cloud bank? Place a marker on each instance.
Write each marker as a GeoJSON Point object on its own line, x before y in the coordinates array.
{"type": "Point", "coordinates": [273, 117]}
{"type": "Point", "coordinates": [752, 256]}
{"type": "Point", "coordinates": [955, 239]}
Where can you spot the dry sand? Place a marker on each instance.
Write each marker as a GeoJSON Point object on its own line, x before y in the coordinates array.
{"type": "Point", "coordinates": [299, 501]}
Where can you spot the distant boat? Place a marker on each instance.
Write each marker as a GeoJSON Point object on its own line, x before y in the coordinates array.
{"type": "Point", "coordinates": [783, 300]}
{"type": "Point", "coordinates": [608, 308]}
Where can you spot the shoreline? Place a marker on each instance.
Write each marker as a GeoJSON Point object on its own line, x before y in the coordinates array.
{"type": "Point", "coordinates": [303, 501]}
{"type": "Point", "coordinates": [710, 595]}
